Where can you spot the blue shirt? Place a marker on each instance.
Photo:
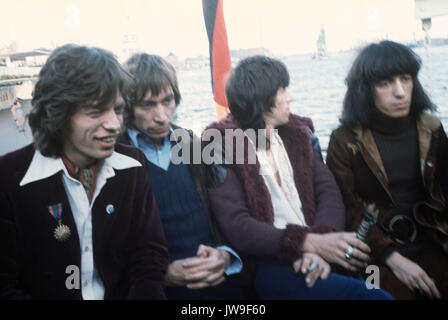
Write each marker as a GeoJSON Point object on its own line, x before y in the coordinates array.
{"type": "Point", "coordinates": [157, 155]}
{"type": "Point", "coordinates": [161, 157]}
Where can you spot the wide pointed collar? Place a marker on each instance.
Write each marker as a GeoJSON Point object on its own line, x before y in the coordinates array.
{"type": "Point", "coordinates": [42, 167]}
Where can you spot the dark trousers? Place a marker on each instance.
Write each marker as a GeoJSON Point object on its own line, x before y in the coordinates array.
{"type": "Point", "coordinates": [227, 290]}
{"type": "Point", "coordinates": [274, 281]}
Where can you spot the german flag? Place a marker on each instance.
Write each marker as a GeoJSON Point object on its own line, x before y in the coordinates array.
{"type": "Point", "coordinates": [220, 63]}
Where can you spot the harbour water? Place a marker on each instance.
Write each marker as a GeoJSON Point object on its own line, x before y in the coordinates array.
{"type": "Point", "coordinates": [317, 86]}
{"type": "Point", "coordinates": [318, 89]}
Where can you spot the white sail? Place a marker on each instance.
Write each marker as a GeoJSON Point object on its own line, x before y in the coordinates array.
{"type": "Point", "coordinates": [321, 45]}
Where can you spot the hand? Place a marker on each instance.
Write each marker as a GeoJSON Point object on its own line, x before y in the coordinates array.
{"type": "Point", "coordinates": [313, 266]}
{"type": "Point", "coordinates": [332, 247]}
{"type": "Point", "coordinates": [412, 275]}
{"type": "Point", "coordinates": [206, 269]}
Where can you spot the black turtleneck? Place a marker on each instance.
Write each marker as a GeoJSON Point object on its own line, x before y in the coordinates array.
{"type": "Point", "coordinates": [397, 142]}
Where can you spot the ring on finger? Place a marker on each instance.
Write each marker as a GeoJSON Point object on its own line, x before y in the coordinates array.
{"type": "Point", "coordinates": [349, 252]}
{"type": "Point", "coordinates": [313, 266]}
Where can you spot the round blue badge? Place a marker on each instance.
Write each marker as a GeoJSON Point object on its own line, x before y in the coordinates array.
{"type": "Point", "coordinates": [110, 209]}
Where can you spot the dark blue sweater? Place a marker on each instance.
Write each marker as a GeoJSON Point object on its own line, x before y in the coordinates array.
{"type": "Point", "coordinates": [184, 219]}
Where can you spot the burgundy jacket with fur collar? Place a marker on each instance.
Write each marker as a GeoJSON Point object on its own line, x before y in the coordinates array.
{"type": "Point", "coordinates": [243, 206]}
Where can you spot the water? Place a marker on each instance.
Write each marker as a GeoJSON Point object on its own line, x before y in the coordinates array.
{"type": "Point", "coordinates": [316, 85]}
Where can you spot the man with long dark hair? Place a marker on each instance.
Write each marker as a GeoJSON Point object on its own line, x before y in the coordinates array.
{"type": "Point", "coordinates": [77, 216]}
{"type": "Point", "coordinates": [281, 210]}
{"type": "Point", "coordinates": [389, 151]}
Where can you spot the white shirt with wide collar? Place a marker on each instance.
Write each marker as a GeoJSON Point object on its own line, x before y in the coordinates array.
{"type": "Point", "coordinates": [42, 167]}
{"type": "Point", "coordinates": [285, 197]}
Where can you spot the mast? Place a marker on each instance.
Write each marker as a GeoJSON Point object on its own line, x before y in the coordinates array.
{"type": "Point", "coordinates": [425, 10]}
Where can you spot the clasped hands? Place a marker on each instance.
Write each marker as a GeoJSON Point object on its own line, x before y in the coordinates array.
{"type": "Point", "coordinates": [206, 269]}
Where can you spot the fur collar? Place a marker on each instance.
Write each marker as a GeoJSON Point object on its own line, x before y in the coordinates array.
{"type": "Point", "coordinates": [296, 139]}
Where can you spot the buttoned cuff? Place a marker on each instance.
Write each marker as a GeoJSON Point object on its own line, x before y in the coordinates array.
{"type": "Point", "coordinates": [236, 265]}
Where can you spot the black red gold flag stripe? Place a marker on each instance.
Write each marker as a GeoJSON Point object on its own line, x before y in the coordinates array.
{"type": "Point", "coordinates": [220, 63]}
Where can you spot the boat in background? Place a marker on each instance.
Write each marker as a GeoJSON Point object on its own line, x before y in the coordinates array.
{"type": "Point", "coordinates": [321, 46]}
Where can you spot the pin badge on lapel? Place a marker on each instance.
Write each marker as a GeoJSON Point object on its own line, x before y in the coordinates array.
{"type": "Point", "coordinates": [61, 232]}
{"type": "Point", "coordinates": [110, 209]}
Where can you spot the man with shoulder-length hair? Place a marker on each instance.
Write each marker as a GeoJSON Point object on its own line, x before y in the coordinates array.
{"type": "Point", "coordinates": [77, 215]}
{"type": "Point", "coordinates": [283, 213]}
{"type": "Point", "coordinates": [201, 267]}
{"type": "Point", "coordinates": [389, 151]}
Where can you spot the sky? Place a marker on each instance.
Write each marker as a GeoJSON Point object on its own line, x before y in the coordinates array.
{"type": "Point", "coordinates": [284, 27]}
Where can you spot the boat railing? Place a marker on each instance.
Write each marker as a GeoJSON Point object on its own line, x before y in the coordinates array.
{"type": "Point", "coordinates": [8, 90]}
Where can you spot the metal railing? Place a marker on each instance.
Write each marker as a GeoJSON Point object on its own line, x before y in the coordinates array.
{"type": "Point", "coordinates": [8, 91]}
